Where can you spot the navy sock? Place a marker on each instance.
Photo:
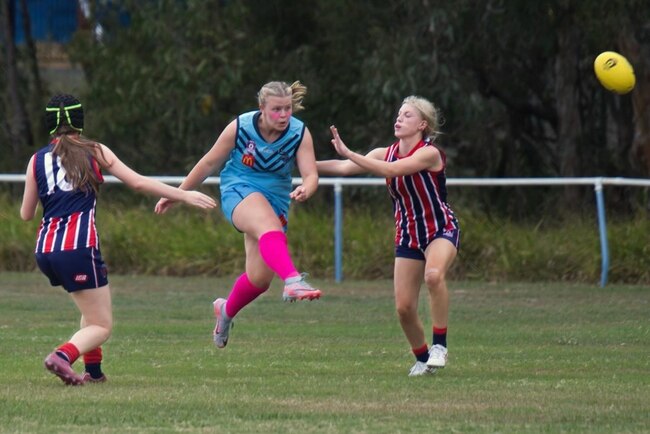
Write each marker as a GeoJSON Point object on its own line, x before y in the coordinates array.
{"type": "Point", "coordinates": [440, 336]}
{"type": "Point", "coordinates": [421, 354]}
{"type": "Point", "coordinates": [94, 369]}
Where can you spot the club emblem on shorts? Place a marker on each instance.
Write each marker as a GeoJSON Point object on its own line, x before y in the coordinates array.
{"type": "Point", "coordinates": [248, 159]}
{"type": "Point", "coordinates": [283, 219]}
{"type": "Point", "coordinates": [81, 278]}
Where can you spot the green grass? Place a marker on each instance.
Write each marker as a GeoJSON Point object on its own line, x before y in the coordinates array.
{"type": "Point", "coordinates": [523, 357]}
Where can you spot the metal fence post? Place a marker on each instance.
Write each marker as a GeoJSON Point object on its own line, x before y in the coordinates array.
{"type": "Point", "coordinates": [338, 232]}
{"type": "Point", "coordinates": [602, 229]}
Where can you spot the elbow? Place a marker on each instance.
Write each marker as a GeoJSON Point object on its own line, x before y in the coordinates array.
{"type": "Point", "coordinates": [139, 185]}
{"type": "Point", "coordinates": [26, 216]}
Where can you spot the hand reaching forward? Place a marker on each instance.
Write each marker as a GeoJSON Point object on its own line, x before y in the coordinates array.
{"type": "Point", "coordinates": [199, 200]}
{"type": "Point", "coordinates": [193, 198]}
{"type": "Point", "coordinates": [338, 144]}
{"type": "Point", "coordinates": [163, 205]}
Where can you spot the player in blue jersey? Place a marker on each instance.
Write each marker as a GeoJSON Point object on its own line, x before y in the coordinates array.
{"type": "Point", "coordinates": [256, 154]}
{"type": "Point", "coordinates": [64, 177]}
{"type": "Point", "coordinates": [426, 230]}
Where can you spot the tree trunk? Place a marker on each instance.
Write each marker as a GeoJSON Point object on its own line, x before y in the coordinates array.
{"type": "Point", "coordinates": [639, 57]}
{"type": "Point", "coordinates": [20, 132]}
{"type": "Point", "coordinates": [566, 97]}
{"type": "Point", "coordinates": [31, 53]}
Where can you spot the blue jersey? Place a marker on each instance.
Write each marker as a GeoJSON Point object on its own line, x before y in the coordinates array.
{"type": "Point", "coordinates": [68, 221]}
{"type": "Point", "coordinates": [266, 167]}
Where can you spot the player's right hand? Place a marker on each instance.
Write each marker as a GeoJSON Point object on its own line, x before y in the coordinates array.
{"type": "Point", "coordinates": [199, 200]}
{"type": "Point", "coordinates": [163, 205]}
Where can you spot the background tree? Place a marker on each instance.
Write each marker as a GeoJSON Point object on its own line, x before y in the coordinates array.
{"type": "Point", "coordinates": [514, 81]}
{"type": "Point", "coordinates": [17, 125]}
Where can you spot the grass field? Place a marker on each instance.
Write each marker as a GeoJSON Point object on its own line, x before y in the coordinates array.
{"type": "Point", "coordinates": [523, 358]}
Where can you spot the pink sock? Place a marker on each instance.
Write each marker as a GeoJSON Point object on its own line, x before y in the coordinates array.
{"type": "Point", "coordinates": [242, 293]}
{"type": "Point", "coordinates": [275, 252]}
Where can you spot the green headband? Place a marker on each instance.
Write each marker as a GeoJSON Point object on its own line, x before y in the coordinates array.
{"type": "Point", "coordinates": [67, 115]}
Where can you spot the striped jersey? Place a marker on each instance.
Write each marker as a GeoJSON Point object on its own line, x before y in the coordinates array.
{"type": "Point", "coordinates": [419, 202]}
{"type": "Point", "coordinates": [68, 221]}
{"type": "Point", "coordinates": [265, 166]}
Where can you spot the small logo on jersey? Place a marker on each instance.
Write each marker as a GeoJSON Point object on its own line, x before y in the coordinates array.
{"type": "Point", "coordinates": [448, 233]}
{"type": "Point", "coordinates": [81, 278]}
{"type": "Point", "coordinates": [248, 159]}
{"type": "Point", "coordinates": [283, 219]}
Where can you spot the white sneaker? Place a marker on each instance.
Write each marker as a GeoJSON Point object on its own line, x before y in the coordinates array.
{"type": "Point", "coordinates": [297, 288]}
{"type": "Point", "coordinates": [437, 357]}
{"type": "Point", "coordinates": [421, 368]}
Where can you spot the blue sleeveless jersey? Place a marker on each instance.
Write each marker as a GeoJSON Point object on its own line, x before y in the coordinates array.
{"type": "Point", "coordinates": [266, 167]}
{"type": "Point", "coordinates": [68, 221]}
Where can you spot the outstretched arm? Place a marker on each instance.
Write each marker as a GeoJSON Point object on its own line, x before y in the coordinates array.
{"type": "Point", "coordinates": [340, 167]}
{"type": "Point", "coordinates": [425, 158]}
{"type": "Point", "coordinates": [211, 161]}
{"type": "Point", "coordinates": [347, 167]}
{"type": "Point", "coordinates": [109, 161]}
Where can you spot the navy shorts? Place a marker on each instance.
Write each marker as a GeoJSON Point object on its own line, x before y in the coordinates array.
{"type": "Point", "coordinates": [453, 236]}
{"type": "Point", "coordinates": [75, 270]}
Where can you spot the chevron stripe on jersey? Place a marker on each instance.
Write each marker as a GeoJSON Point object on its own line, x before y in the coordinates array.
{"type": "Point", "coordinates": [419, 202]}
{"type": "Point", "coordinates": [253, 160]}
{"type": "Point", "coordinates": [268, 157]}
{"type": "Point", "coordinates": [68, 221]}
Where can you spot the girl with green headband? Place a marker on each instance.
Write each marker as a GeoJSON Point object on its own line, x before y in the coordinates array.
{"type": "Point", "coordinates": [64, 177]}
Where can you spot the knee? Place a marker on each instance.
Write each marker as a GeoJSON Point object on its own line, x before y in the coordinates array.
{"type": "Point", "coordinates": [434, 277]}
{"type": "Point", "coordinates": [107, 328]}
{"type": "Point", "coordinates": [260, 285]}
{"type": "Point", "coordinates": [107, 332]}
{"type": "Point", "coordinates": [406, 310]}
{"type": "Point", "coordinates": [261, 281]}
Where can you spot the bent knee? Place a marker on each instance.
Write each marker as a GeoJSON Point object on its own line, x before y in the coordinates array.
{"type": "Point", "coordinates": [434, 277]}
{"type": "Point", "coordinates": [108, 328]}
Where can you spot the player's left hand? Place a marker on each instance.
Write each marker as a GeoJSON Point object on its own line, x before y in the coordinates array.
{"type": "Point", "coordinates": [340, 147]}
{"type": "Point", "coordinates": [300, 194]}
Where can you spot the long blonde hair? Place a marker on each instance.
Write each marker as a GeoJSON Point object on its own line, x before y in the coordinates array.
{"type": "Point", "coordinates": [295, 90]}
{"type": "Point", "coordinates": [429, 113]}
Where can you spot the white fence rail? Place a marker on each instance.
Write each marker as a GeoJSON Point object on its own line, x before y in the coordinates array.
{"type": "Point", "coordinates": [339, 183]}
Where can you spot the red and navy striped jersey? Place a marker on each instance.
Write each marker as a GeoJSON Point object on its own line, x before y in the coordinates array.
{"type": "Point", "coordinates": [419, 202]}
{"type": "Point", "coordinates": [68, 221]}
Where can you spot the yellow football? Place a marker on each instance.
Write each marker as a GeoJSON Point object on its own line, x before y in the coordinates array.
{"type": "Point", "coordinates": [614, 72]}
